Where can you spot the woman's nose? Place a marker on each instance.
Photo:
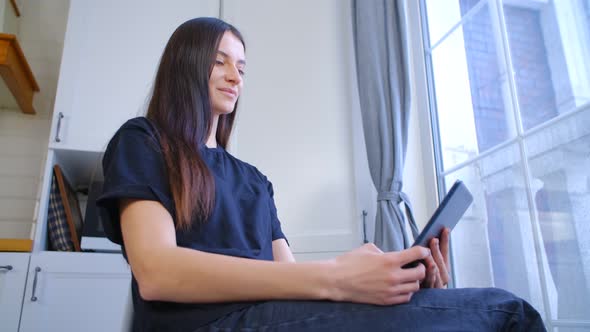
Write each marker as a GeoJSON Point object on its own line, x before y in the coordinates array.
{"type": "Point", "coordinates": [233, 75]}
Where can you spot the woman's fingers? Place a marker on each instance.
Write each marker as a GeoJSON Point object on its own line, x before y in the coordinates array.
{"type": "Point", "coordinates": [417, 273]}
{"type": "Point", "coordinates": [438, 283]}
{"type": "Point", "coordinates": [409, 255]}
{"type": "Point", "coordinates": [440, 263]}
{"type": "Point", "coordinates": [407, 287]}
{"type": "Point", "coordinates": [437, 275]}
{"type": "Point", "coordinates": [402, 293]}
{"type": "Point", "coordinates": [431, 273]}
{"type": "Point", "coordinates": [437, 266]}
{"type": "Point", "coordinates": [434, 281]}
{"type": "Point", "coordinates": [445, 238]}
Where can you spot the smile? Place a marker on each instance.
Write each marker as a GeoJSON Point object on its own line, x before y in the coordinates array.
{"type": "Point", "coordinates": [229, 92]}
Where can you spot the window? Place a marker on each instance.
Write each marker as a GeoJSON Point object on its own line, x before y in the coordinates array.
{"type": "Point", "coordinates": [509, 87]}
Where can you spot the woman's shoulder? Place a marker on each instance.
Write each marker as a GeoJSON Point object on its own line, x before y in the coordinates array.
{"type": "Point", "coordinates": [135, 130]}
{"type": "Point", "coordinates": [140, 124]}
{"type": "Point", "coordinates": [249, 169]}
{"type": "Point", "coordinates": [137, 135]}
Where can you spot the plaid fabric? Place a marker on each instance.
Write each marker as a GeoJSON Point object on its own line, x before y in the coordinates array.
{"type": "Point", "coordinates": [60, 238]}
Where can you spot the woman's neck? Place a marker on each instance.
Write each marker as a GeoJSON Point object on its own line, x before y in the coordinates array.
{"type": "Point", "coordinates": [212, 140]}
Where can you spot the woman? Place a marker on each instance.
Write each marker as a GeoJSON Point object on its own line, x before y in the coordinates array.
{"type": "Point", "coordinates": [200, 231]}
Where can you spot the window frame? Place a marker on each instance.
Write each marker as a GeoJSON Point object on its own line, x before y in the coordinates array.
{"type": "Point", "coordinates": [430, 131]}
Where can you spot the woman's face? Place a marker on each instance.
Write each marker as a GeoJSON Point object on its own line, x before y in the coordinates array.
{"type": "Point", "coordinates": [226, 80]}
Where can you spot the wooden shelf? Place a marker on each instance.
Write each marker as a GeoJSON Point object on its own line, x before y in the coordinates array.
{"type": "Point", "coordinates": [17, 74]}
{"type": "Point", "coordinates": [18, 245]}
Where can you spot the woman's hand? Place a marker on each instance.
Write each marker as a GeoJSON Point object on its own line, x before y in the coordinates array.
{"type": "Point", "coordinates": [438, 268]}
{"type": "Point", "coordinates": [367, 275]}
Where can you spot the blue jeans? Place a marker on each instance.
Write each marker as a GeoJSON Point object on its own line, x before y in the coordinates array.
{"type": "Point", "coordinates": [465, 309]}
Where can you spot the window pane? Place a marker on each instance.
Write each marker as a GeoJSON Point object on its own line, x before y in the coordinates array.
{"type": "Point", "coordinates": [471, 91]}
{"type": "Point", "coordinates": [493, 245]}
{"type": "Point", "coordinates": [549, 44]}
{"type": "Point", "coordinates": [443, 15]}
{"type": "Point", "coordinates": [560, 163]}
{"type": "Point", "coordinates": [496, 244]}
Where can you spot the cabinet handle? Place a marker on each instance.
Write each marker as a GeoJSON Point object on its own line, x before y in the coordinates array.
{"type": "Point", "coordinates": [33, 297]}
{"type": "Point", "coordinates": [59, 117]}
{"type": "Point", "coordinates": [365, 227]}
{"type": "Point", "coordinates": [6, 267]}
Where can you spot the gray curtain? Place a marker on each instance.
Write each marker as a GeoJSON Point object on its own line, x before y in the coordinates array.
{"type": "Point", "coordinates": [381, 49]}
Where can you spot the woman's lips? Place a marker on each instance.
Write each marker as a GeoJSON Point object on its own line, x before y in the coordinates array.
{"type": "Point", "coordinates": [229, 92]}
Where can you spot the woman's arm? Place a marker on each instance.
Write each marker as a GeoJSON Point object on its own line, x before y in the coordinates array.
{"type": "Point", "coordinates": [167, 272]}
{"type": "Point", "coordinates": [281, 251]}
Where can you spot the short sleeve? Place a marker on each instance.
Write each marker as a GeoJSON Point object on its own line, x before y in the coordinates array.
{"type": "Point", "coordinates": [133, 167]}
{"type": "Point", "coordinates": [277, 232]}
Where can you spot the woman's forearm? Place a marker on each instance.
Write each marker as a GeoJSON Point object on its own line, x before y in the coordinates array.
{"type": "Point", "coordinates": [186, 275]}
{"type": "Point", "coordinates": [167, 272]}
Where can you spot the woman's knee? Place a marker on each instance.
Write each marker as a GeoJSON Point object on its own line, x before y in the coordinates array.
{"type": "Point", "coordinates": [524, 314]}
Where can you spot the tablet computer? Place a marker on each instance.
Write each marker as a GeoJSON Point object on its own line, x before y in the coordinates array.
{"type": "Point", "coordinates": [448, 214]}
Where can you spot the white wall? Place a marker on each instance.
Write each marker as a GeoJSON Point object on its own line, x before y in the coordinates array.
{"type": "Point", "coordinates": [295, 120]}
{"type": "Point", "coordinates": [23, 138]}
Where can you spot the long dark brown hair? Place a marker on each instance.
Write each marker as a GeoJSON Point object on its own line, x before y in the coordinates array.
{"type": "Point", "coordinates": [180, 109]}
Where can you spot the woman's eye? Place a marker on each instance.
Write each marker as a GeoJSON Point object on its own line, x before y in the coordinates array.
{"type": "Point", "coordinates": [218, 62]}
{"type": "Point", "coordinates": [241, 72]}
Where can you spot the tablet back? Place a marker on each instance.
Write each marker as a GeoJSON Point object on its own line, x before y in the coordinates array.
{"type": "Point", "coordinates": [448, 213]}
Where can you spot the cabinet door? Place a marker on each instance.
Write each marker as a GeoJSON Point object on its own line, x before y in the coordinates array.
{"type": "Point", "coordinates": [76, 292]}
{"type": "Point", "coordinates": [110, 56]}
{"type": "Point", "coordinates": [297, 117]}
{"type": "Point", "coordinates": [13, 275]}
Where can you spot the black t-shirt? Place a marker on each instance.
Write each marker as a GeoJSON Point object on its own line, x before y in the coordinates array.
{"type": "Point", "coordinates": [243, 223]}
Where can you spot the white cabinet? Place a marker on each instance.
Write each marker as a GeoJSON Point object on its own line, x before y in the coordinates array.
{"type": "Point", "coordinates": [76, 292]}
{"type": "Point", "coordinates": [111, 52]}
{"type": "Point", "coordinates": [13, 273]}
